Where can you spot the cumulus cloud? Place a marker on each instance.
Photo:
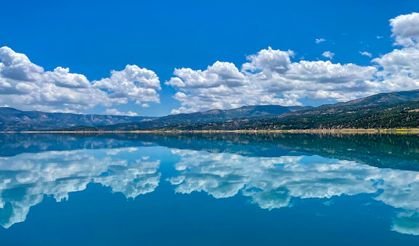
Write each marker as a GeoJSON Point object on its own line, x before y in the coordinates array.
{"type": "Point", "coordinates": [269, 60]}
{"type": "Point", "coordinates": [132, 83]}
{"type": "Point", "coordinates": [405, 29]}
{"type": "Point", "coordinates": [63, 78]}
{"type": "Point", "coordinates": [269, 77]}
{"type": "Point", "coordinates": [215, 75]}
{"type": "Point", "coordinates": [398, 69]}
{"type": "Point", "coordinates": [272, 77]}
{"type": "Point", "coordinates": [26, 85]}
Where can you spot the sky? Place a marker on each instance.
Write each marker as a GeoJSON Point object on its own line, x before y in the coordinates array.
{"type": "Point", "coordinates": [161, 57]}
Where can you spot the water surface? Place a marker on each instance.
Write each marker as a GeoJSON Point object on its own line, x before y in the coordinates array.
{"type": "Point", "coordinates": [225, 189]}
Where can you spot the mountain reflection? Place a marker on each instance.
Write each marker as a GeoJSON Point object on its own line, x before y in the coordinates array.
{"type": "Point", "coordinates": [271, 171]}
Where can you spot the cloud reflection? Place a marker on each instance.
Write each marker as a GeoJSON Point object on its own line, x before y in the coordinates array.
{"type": "Point", "coordinates": [273, 183]}
{"type": "Point", "coordinates": [269, 182]}
{"type": "Point", "coordinates": [27, 178]}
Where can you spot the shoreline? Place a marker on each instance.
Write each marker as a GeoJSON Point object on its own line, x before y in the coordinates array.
{"type": "Point", "coordinates": [410, 131]}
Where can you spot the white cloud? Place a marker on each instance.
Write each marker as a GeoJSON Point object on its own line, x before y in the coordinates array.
{"type": "Point", "coordinates": [132, 83]}
{"type": "Point", "coordinates": [271, 77]}
{"type": "Point", "coordinates": [215, 75]}
{"type": "Point", "coordinates": [328, 54]}
{"type": "Point", "coordinates": [405, 29]}
{"type": "Point", "coordinates": [326, 71]}
{"type": "Point", "coordinates": [269, 60]}
{"type": "Point", "coordinates": [319, 40]}
{"type": "Point", "coordinates": [365, 53]}
{"type": "Point", "coordinates": [63, 78]}
{"type": "Point", "coordinates": [399, 69]}
{"type": "Point", "coordinates": [17, 66]}
{"type": "Point", "coordinates": [28, 86]}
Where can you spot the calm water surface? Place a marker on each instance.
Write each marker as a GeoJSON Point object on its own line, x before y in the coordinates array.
{"type": "Point", "coordinates": [209, 190]}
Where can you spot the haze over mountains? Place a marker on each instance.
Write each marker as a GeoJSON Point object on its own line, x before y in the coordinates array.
{"type": "Point", "coordinates": [385, 110]}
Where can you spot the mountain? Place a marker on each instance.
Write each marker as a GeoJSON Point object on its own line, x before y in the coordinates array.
{"type": "Point", "coordinates": [206, 117]}
{"type": "Point", "coordinates": [16, 120]}
{"type": "Point", "coordinates": [385, 110]}
{"type": "Point", "coordinates": [222, 115]}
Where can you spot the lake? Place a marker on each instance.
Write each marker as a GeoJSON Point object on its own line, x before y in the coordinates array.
{"type": "Point", "coordinates": [214, 189]}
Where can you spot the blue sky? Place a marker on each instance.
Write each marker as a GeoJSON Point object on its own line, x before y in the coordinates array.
{"type": "Point", "coordinates": [94, 37]}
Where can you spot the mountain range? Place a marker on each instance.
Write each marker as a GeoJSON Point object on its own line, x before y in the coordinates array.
{"type": "Point", "coordinates": [385, 110]}
{"type": "Point", "coordinates": [16, 120]}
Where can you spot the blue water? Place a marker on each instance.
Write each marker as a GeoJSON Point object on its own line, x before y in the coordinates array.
{"type": "Point", "coordinates": [209, 190]}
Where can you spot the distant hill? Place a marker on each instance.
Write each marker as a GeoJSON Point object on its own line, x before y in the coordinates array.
{"type": "Point", "coordinates": [385, 110]}
{"type": "Point", "coordinates": [211, 116]}
{"type": "Point", "coordinates": [223, 115]}
{"type": "Point", "coordinates": [16, 120]}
